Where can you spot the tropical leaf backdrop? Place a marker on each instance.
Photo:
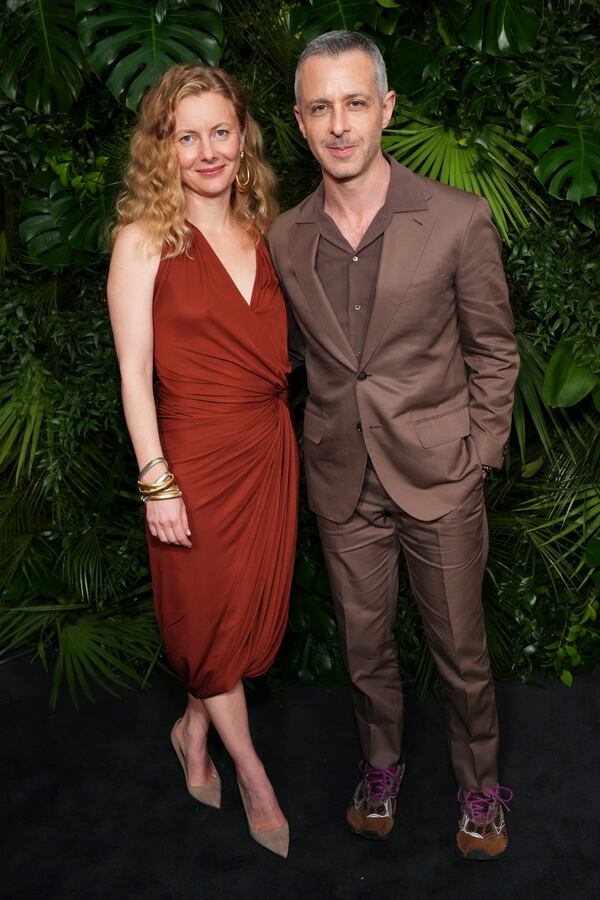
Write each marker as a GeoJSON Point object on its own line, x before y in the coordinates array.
{"type": "Point", "coordinates": [498, 97]}
{"type": "Point", "coordinates": [44, 65]}
{"type": "Point", "coordinates": [130, 44]}
{"type": "Point", "coordinates": [485, 162]}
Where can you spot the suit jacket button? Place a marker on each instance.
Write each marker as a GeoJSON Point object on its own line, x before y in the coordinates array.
{"type": "Point", "coordinates": [358, 426]}
{"type": "Point", "coordinates": [361, 376]}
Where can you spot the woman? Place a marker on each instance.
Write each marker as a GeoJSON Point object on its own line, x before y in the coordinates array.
{"type": "Point", "coordinates": [193, 297]}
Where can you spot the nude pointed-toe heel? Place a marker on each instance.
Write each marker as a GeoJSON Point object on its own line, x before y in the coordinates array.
{"type": "Point", "coordinates": [209, 793]}
{"type": "Point", "coordinates": [277, 840]}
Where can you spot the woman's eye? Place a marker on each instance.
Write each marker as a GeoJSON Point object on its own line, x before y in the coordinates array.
{"type": "Point", "coordinates": [186, 139]}
{"type": "Point", "coordinates": [221, 132]}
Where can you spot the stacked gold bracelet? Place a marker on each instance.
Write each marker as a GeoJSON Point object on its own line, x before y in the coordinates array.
{"type": "Point", "coordinates": [164, 488]}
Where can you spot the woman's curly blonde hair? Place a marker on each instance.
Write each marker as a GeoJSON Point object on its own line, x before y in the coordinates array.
{"type": "Point", "coordinates": [153, 193]}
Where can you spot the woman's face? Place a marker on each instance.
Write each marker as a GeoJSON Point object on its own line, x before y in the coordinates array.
{"type": "Point", "coordinates": [208, 142]}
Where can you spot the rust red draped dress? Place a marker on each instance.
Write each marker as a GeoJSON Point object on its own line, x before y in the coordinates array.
{"type": "Point", "coordinates": [225, 429]}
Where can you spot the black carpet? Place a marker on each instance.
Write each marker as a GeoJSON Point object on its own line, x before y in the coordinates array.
{"type": "Point", "coordinates": [95, 803]}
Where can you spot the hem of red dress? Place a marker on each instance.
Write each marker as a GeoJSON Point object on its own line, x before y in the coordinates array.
{"type": "Point", "coordinates": [199, 695]}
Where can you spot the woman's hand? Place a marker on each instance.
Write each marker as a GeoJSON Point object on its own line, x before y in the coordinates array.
{"type": "Point", "coordinates": [167, 521]}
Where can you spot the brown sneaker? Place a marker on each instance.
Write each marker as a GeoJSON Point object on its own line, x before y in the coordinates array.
{"type": "Point", "coordinates": [371, 812]}
{"type": "Point", "coordinates": [482, 830]}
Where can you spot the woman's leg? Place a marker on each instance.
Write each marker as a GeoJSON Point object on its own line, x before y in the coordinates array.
{"type": "Point", "coordinates": [192, 731]}
{"type": "Point", "coordinates": [229, 714]}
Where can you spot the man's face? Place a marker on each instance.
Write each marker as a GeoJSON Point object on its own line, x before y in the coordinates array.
{"type": "Point", "coordinates": [340, 112]}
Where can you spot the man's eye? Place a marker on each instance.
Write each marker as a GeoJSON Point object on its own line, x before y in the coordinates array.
{"type": "Point", "coordinates": [319, 108]}
{"type": "Point", "coordinates": [356, 103]}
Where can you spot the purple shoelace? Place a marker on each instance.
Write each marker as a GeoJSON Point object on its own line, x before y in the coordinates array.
{"type": "Point", "coordinates": [383, 783]}
{"type": "Point", "coordinates": [479, 802]}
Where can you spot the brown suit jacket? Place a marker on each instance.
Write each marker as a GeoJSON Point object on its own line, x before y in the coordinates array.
{"type": "Point", "coordinates": [431, 398]}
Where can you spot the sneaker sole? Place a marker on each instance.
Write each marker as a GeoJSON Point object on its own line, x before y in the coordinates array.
{"type": "Point", "coordinates": [480, 855]}
{"type": "Point", "coordinates": [371, 835]}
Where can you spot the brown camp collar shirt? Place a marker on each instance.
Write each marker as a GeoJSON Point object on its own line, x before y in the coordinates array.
{"type": "Point", "coordinates": [349, 276]}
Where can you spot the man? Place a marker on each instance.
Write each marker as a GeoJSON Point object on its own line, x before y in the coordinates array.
{"type": "Point", "coordinates": [396, 284]}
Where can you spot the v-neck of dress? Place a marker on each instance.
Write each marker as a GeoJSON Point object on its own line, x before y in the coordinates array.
{"type": "Point", "coordinates": [248, 303]}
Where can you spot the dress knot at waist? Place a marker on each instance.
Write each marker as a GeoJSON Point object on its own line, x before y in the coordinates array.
{"type": "Point", "coordinates": [219, 401]}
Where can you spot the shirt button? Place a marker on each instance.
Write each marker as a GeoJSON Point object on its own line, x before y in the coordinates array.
{"type": "Point", "coordinates": [361, 376]}
{"type": "Point", "coordinates": [357, 307]}
{"type": "Point", "coordinates": [358, 426]}
{"type": "Point", "coordinates": [355, 259]}
{"type": "Point", "coordinates": [358, 354]}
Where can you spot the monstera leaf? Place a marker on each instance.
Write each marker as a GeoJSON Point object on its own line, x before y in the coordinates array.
{"type": "Point", "coordinates": [130, 43]}
{"type": "Point", "coordinates": [42, 59]}
{"type": "Point", "coordinates": [57, 228]}
{"type": "Point", "coordinates": [42, 215]}
{"type": "Point", "coordinates": [569, 160]}
{"type": "Point", "coordinates": [502, 27]}
{"type": "Point", "coordinates": [330, 15]}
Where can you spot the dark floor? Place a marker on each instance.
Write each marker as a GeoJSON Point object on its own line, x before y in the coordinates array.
{"type": "Point", "coordinates": [95, 803]}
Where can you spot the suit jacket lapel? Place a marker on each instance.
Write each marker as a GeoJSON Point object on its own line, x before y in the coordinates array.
{"type": "Point", "coordinates": [404, 240]}
{"type": "Point", "coordinates": [403, 243]}
{"type": "Point", "coordinates": [304, 239]}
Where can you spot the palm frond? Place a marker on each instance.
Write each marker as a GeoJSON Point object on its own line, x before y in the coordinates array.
{"type": "Point", "coordinates": [24, 627]}
{"type": "Point", "coordinates": [96, 562]}
{"type": "Point", "coordinates": [104, 651]}
{"type": "Point", "coordinates": [290, 144]}
{"type": "Point", "coordinates": [479, 163]}
{"type": "Point", "coordinates": [559, 524]}
{"type": "Point", "coordinates": [23, 534]}
{"type": "Point", "coordinates": [546, 521]}
{"type": "Point", "coordinates": [274, 41]}
{"type": "Point", "coordinates": [25, 410]}
{"type": "Point", "coordinates": [22, 510]}
{"type": "Point", "coordinates": [45, 298]}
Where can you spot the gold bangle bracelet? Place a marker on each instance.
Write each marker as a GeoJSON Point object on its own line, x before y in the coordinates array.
{"type": "Point", "coordinates": [171, 494]}
{"type": "Point", "coordinates": [154, 487]}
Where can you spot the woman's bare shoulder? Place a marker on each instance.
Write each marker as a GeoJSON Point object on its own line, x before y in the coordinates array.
{"type": "Point", "coordinates": [133, 239]}
{"type": "Point", "coordinates": [133, 265]}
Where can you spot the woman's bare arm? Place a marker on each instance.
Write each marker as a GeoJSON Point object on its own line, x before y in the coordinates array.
{"type": "Point", "coordinates": [130, 293]}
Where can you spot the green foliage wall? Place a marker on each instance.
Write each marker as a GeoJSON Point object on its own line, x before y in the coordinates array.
{"type": "Point", "coordinates": [499, 97]}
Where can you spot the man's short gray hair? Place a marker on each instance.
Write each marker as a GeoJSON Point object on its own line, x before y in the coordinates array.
{"type": "Point", "coordinates": [333, 43]}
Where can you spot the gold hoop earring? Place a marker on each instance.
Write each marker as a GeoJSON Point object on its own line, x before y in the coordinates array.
{"type": "Point", "coordinates": [243, 182]}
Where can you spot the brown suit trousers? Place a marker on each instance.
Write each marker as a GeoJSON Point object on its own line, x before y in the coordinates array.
{"type": "Point", "coordinates": [446, 560]}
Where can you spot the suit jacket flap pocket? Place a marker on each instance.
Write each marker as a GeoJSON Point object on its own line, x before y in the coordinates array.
{"type": "Point", "coordinates": [314, 426]}
{"type": "Point", "coordinates": [444, 428]}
